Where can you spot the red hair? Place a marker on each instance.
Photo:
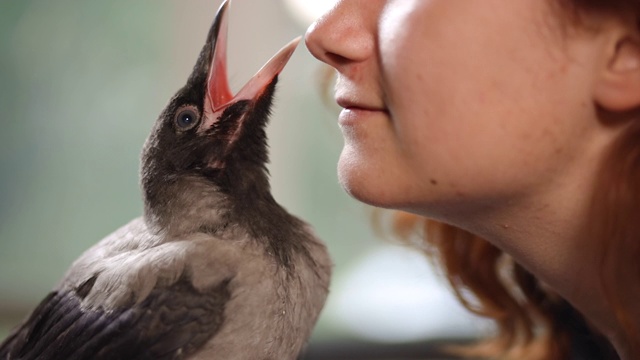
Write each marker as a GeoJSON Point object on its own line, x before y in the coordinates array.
{"type": "Point", "coordinates": [533, 323]}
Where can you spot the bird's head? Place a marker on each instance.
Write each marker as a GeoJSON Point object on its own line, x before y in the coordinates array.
{"type": "Point", "coordinates": [207, 144]}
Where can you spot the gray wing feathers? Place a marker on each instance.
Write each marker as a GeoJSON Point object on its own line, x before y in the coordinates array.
{"type": "Point", "coordinates": [171, 323]}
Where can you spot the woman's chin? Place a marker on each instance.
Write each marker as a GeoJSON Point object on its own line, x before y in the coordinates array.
{"type": "Point", "coordinates": [355, 179]}
{"type": "Point", "coordinates": [393, 187]}
{"type": "Point", "coordinates": [367, 183]}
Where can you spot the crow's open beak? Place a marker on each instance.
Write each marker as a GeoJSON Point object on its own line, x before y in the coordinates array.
{"type": "Point", "coordinates": [218, 94]}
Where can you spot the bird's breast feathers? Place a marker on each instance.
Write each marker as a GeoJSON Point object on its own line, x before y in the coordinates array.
{"type": "Point", "coordinates": [199, 297]}
{"type": "Point", "coordinates": [264, 298]}
{"type": "Point", "coordinates": [128, 264]}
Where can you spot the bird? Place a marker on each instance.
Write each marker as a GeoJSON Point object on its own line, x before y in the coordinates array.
{"type": "Point", "coordinates": [214, 268]}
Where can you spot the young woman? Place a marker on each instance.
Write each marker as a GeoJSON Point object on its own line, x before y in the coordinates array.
{"type": "Point", "coordinates": [515, 127]}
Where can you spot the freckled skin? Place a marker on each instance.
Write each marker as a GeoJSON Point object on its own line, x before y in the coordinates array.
{"type": "Point", "coordinates": [467, 97]}
{"type": "Point", "coordinates": [486, 118]}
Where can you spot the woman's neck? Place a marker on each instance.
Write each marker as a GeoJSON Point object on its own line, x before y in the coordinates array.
{"type": "Point", "coordinates": [549, 233]}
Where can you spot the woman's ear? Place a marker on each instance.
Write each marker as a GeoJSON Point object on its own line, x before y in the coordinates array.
{"type": "Point", "coordinates": [618, 87]}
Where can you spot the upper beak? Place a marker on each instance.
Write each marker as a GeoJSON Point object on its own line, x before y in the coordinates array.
{"type": "Point", "coordinates": [218, 94]}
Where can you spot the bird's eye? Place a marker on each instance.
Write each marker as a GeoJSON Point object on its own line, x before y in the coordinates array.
{"type": "Point", "coordinates": [187, 118]}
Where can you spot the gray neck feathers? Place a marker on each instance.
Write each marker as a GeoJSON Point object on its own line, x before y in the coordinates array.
{"type": "Point", "coordinates": [185, 205]}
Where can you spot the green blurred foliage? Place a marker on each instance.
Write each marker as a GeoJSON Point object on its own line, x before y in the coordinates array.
{"type": "Point", "coordinates": [76, 107]}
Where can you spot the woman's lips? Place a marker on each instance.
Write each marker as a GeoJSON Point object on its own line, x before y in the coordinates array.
{"type": "Point", "coordinates": [350, 104]}
{"type": "Point", "coordinates": [353, 113]}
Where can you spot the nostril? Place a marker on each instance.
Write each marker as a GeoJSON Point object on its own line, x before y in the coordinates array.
{"type": "Point", "coordinates": [334, 59]}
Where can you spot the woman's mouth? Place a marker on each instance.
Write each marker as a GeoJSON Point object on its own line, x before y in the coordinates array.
{"type": "Point", "coordinates": [345, 103]}
{"type": "Point", "coordinates": [354, 112]}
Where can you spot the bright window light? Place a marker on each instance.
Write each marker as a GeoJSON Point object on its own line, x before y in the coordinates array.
{"type": "Point", "coordinates": [393, 295]}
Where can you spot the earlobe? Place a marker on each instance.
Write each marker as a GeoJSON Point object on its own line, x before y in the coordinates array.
{"type": "Point", "coordinates": [618, 89]}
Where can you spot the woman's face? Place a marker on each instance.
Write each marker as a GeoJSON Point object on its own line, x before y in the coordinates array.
{"type": "Point", "coordinates": [453, 106]}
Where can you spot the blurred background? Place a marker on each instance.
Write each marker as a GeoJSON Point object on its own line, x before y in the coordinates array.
{"type": "Point", "coordinates": [81, 83]}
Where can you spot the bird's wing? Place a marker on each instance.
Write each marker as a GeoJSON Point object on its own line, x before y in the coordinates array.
{"type": "Point", "coordinates": [171, 323]}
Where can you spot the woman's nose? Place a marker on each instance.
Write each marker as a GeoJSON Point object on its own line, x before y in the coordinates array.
{"type": "Point", "coordinates": [343, 35]}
